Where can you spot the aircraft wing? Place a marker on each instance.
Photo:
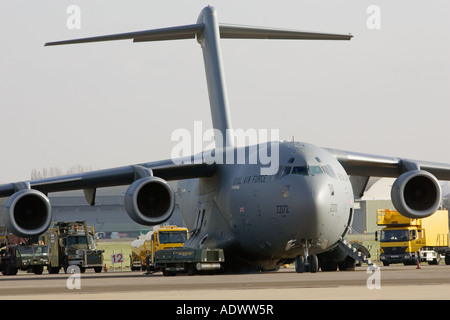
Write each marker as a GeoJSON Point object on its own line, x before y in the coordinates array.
{"type": "Point", "coordinates": [368, 165]}
{"type": "Point", "coordinates": [416, 192]}
{"type": "Point", "coordinates": [165, 169]}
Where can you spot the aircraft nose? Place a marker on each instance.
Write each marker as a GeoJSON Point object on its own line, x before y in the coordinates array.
{"type": "Point", "coordinates": [311, 201]}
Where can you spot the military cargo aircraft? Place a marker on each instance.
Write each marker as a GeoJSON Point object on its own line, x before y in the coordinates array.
{"type": "Point", "coordinates": [296, 208]}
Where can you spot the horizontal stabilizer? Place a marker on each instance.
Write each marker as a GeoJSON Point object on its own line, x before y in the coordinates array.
{"type": "Point", "coordinates": [227, 31]}
{"type": "Point", "coordinates": [249, 32]}
{"type": "Point", "coordinates": [172, 33]}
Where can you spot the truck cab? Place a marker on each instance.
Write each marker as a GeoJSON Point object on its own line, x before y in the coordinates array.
{"type": "Point", "coordinates": [24, 257]}
{"type": "Point", "coordinates": [72, 244]}
{"type": "Point", "coordinates": [400, 245]}
{"type": "Point", "coordinates": [410, 241]}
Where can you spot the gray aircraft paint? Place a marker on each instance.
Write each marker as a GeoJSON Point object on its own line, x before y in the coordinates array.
{"type": "Point", "coordinates": [271, 217]}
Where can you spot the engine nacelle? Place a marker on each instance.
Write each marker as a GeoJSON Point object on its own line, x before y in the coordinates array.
{"type": "Point", "coordinates": [27, 213]}
{"type": "Point", "coordinates": [416, 194]}
{"type": "Point", "coordinates": [150, 201]}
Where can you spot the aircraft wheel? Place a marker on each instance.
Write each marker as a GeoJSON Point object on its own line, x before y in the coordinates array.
{"type": "Point", "coordinates": [313, 263]}
{"type": "Point", "coordinates": [329, 266]}
{"type": "Point", "coordinates": [300, 264]}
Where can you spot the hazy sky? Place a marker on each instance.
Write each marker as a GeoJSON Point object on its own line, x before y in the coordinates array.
{"type": "Point", "coordinates": [387, 91]}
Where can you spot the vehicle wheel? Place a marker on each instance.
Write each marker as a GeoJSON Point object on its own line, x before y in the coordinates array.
{"type": "Point", "coordinates": [190, 269]}
{"type": "Point", "coordinates": [9, 269]}
{"type": "Point", "coordinates": [53, 270]}
{"type": "Point", "coordinates": [98, 269]}
{"type": "Point", "coordinates": [168, 273]}
{"type": "Point", "coordinates": [447, 259]}
{"type": "Point", "coordinates": [38, 269]}
{"type": "Point", "coordinates": [386, 264]}
{"type": "Point", "coordinates": [434, 261]}
{"type": "Point", "coordinates": [300, 264]}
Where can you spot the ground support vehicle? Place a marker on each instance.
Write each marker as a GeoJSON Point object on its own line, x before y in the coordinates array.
{"type": "Point", "coordinates": [187, 260]}
{"type": "Point", "coordinates": [161, 237]}
{"type": "Point", "coordinates": [23, 257]}
{"type": "Point", "coordinates": [72, 244]}
{"type": "Point", "coordinates": [410, 241]}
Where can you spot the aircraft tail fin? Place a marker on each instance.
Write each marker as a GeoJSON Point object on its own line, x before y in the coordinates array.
{"type": "Point", "coordinates": [208, 32]}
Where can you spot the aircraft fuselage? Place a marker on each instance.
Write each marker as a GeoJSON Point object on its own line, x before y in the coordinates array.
{"type": "Point", "coordinates": [266, 220]}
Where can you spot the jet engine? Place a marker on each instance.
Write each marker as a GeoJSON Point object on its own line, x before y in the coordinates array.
{"type": "Point", "coordinates": [416, 194]}
{"type": "Point", "coordinates": [150, 201]}
{"type": "Point", "coordinates": [27, 213]}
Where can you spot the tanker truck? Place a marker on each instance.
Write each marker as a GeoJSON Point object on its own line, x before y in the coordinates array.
{"type": "Point", "coordinates": [163, 237]}
{"type": "Point", "coordinates": [161, 250]}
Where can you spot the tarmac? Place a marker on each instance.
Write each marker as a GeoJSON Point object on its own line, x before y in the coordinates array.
{"type": "Point", "coordinates": [393, 282]}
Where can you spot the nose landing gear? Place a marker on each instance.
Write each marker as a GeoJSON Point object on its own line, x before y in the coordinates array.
{"type": "Point", "coordinates": [307, 262]}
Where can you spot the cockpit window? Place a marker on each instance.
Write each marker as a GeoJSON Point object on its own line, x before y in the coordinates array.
{"type": "Point", "coordinates": [329, 171]}
{"type": "Point", "coordinates": [306, 171]}
{"type": "Point", "coordinates": [315, 170]}
{"type": "Point", "coordinates": [300, 170]}
{"type": "Point", "coordinates": [284, 171]}
{"type": "Point", "coordinates": [303, 170]}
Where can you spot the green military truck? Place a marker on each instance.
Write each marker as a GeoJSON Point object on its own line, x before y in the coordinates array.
{"type": "Point", "coordinates": [187, 260]}
{"type": "Point", "coordinates": [72, 244]}
{"type": "Point", "coordinates": [23, 257]}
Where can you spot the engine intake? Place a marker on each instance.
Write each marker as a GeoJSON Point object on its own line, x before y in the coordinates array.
{"type": "Point", "coordinates": [416, 194]}
{"type": "Point", "coordinates": [149, 201]}
{"type": "Point", "coordinates": [27, 213]}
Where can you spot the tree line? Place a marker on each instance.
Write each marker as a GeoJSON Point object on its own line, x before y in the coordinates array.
{"type": "Point", "coordinates": [49, 172]}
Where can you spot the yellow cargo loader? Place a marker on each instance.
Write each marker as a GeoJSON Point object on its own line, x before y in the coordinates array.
{"type": "Point", "coordinates": [409, 241]}
{"type": "Point", "coordinates": [144, 248]}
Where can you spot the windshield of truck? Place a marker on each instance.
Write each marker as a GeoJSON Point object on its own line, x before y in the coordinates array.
{"type": "Point", "coordinates": [394, 235]}
{"type": "Point", "coordinates": [35, 250]}
{"type": "Point", "coordinates": [173, 237]}
{"type": "Point", "coordinates": [80, 242]}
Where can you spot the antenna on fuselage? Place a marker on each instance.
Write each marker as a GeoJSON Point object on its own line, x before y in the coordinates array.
{"type": "Point", "coordinates": [208, 32]}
